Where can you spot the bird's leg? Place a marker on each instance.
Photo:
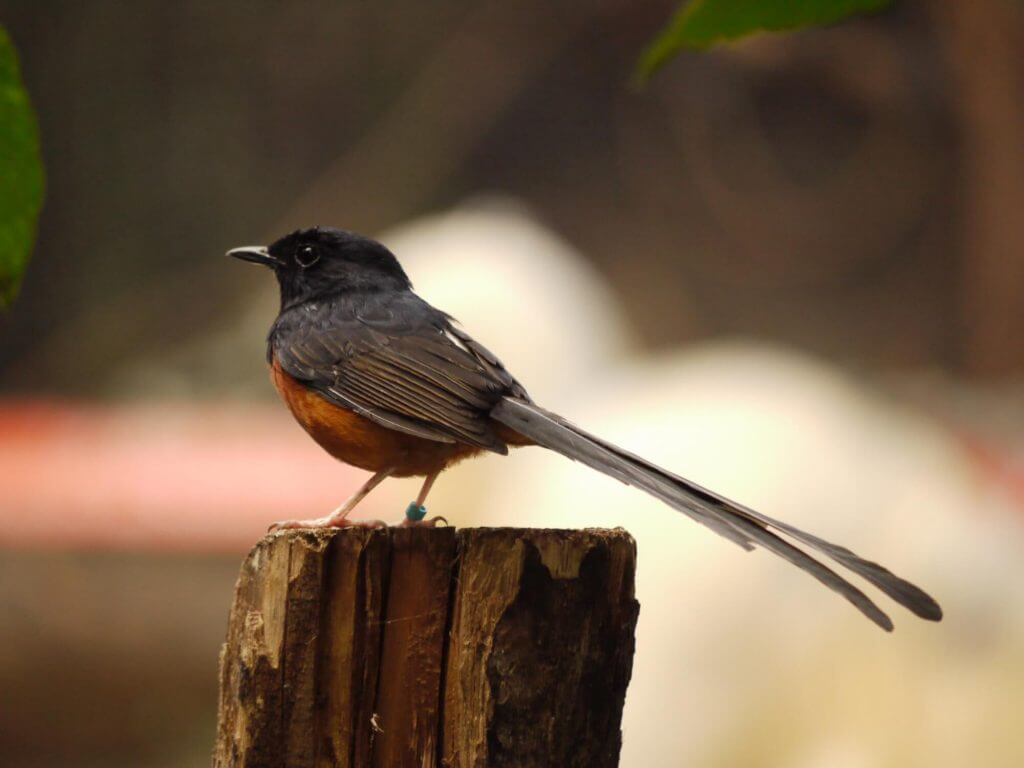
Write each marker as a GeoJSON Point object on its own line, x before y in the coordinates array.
{"type": "Point", "coordinates": [416, 512]}
{"type": "Point", "coordinates": [339, 517]}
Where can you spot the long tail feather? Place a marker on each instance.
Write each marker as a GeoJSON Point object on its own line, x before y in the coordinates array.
{"type": "Point", "coordinates": [727, 518]}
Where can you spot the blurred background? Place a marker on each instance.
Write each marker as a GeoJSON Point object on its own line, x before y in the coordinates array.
{"type": "Point", "coordinates": [790, 269]}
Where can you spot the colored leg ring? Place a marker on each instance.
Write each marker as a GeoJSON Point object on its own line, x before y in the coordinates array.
{"type": "Point", "coordinates": [415, 512]}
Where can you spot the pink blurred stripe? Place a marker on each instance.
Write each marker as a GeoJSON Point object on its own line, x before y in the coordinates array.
{"type": "Point", "coordinates": [169, 476]}
{"type": "Point", "coordinates": [208, 477]}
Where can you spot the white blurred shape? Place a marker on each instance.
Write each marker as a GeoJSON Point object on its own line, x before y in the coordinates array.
{"type": "Point", "coordinates": [516, 287]}
{"type": "Point", "coordinates": [525, 294]}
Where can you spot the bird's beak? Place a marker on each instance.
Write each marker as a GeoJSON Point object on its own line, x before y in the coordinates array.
{"type": "Point", "coordinates": [255, 253]}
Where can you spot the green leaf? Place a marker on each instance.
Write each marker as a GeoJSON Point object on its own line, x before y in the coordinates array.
{"type": "Point", "coordinates": [21, 173]}
{"type": "Point", "coordinates": [702, 23]}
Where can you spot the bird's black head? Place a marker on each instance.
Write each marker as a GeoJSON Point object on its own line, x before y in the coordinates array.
{"type": "Point", "coordinates": [323, 261]}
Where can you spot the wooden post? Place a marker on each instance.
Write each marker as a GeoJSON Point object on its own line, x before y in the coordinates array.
{"type": "Point", "coordinates": [395, 648]}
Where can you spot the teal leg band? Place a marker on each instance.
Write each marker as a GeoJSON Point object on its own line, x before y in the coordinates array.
{"type": "Point", "coordinates": [415, 512]}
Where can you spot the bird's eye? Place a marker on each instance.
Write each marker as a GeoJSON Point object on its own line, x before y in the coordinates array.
{"type": "Point", "coordinates": [307, 256]}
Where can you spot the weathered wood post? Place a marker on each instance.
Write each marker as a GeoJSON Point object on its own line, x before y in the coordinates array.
{"type": "Point", "coordinates": [426, 647]}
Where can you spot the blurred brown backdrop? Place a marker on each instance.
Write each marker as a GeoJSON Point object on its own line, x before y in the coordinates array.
{"type": "Point", "coordinates": [850, 190]}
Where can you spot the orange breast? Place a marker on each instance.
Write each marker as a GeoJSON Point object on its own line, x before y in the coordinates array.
{"type": "Point", "coordinates": [357, 440]}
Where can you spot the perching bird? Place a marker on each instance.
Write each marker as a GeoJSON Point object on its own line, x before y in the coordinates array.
{"type": "Point", "coordinates": [385, 382]}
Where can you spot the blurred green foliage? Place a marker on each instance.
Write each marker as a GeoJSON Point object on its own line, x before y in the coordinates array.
{"type": "Point", "coordinates": [701, 23]}
{"type": "Point", "coordinates": [21, 173]}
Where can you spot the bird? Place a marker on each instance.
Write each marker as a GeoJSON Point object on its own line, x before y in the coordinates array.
{"type": "Point", "coordinates": [385, 382]}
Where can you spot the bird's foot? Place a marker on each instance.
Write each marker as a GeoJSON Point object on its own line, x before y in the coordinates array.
{"type": "Point", "coordinates": [416, 517]}
{"type": "Point", "coordinates": [330, 521]}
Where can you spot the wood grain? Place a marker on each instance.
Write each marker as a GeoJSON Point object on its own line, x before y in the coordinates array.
{"type": "Point", "coordinates": [422, 648]}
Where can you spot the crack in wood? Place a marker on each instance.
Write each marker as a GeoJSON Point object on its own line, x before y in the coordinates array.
{"type": "Point", "coordinates": [377, 648]}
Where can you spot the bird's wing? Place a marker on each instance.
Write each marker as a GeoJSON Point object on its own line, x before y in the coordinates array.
{"type": "Point", "coordinates": [415, 377]}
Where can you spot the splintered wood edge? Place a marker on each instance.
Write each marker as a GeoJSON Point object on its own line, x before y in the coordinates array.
{"type": "Point", "coordinates": [279, 578]}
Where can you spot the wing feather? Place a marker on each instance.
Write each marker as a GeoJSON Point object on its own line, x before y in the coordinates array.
{"type": "Point", "coordinates": [416, 376]}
